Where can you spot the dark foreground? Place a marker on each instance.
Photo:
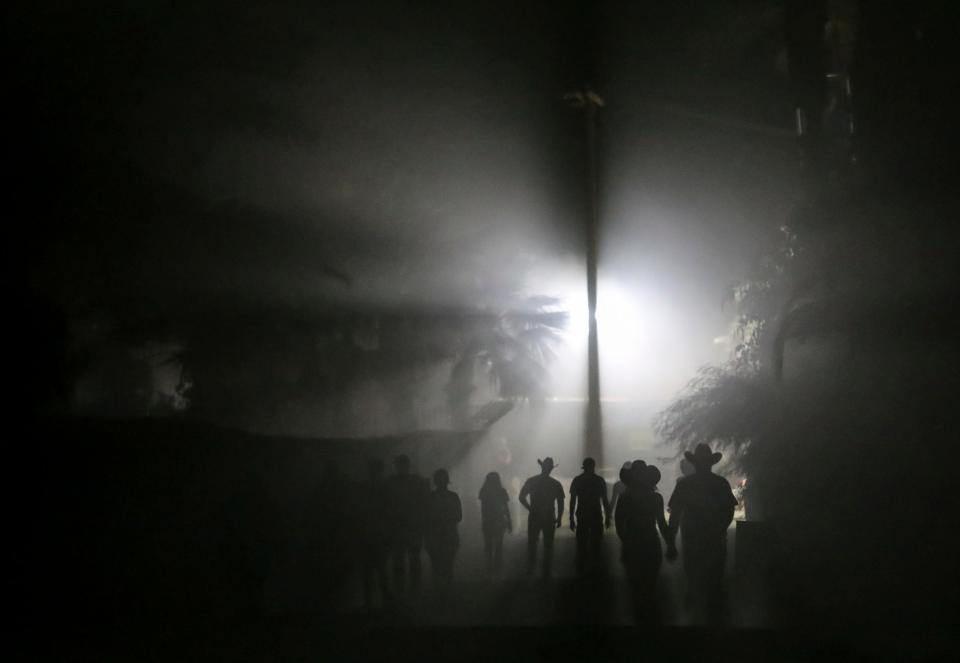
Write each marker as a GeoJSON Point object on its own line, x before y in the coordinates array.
{"type": "Point", "coordinates": [121, 549]}
{"type": "Point", "coordinates": [307, 639]}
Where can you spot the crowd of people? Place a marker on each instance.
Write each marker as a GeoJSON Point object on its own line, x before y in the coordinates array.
{"type": "Point", "coordinates": [400, 515]}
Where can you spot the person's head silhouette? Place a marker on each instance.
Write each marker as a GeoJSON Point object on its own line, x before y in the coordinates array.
{"type": "Point", "coordinates": [703, 458]}
{"type": "Point", "coordinates": [492, 481]}
{"type": "Point", "coordinates": [637, 475]}
{"type": "Point", "coordinates": [651, 476]}
{"type": "Point", "coordinates": [589, 465]}
{"type": "Point", "coordinates": [441, 479]}
{"type": "Point", "coordinates": [546, 465]}
{"type": "Point", "coordinates": [630, 470]}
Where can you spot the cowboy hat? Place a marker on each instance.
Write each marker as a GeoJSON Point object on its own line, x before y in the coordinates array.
{"type": "Point", "coordinates": [546, 463]}
{"type": "Point", "coordinates": [625, 476]}
{"type": "Point", "coordinates": [703, 456]}
{"type": "Point", "coordinates": [651, 475]}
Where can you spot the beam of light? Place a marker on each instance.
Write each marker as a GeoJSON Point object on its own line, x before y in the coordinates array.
{"type": "Point", "coordinates": [632, 324]}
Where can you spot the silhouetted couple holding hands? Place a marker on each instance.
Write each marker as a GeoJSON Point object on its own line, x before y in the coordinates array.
{"type": "Point", "coordinates": [639, 516]}
{"type": "Point", "coordinates": [701, 509]}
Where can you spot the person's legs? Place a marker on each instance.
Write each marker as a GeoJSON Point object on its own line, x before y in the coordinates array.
{"type": "Point", "coordinates": [583, 547]}
{"type": "Point", "coordinates": [451, 556]}
{"type": "Point", "coordinates": [713, 586]}
{"type": "Point", "coordinates": [548, 531]}
{"type": "Point", "coordinates": [413, 554]}
{"type": "Point", "coordinates": [441, 566]}
{"type": "Point", "coordinates": [398, 564]}
{"type": "Point", "coordinates": [596, 541]}
{"type": "Point", "coordinates": [488, 541]}
{"type": "Point", "coordinates": [533, 532]}
{"type": "Point", "coordinates": [589, 541]}
{"type": "Point", "coordinates": [386, 594]}
{"type": "Point", "coordinates": [594, 536]}
{"type": "Point", "coordinates": [704, 566]}
{"type": "Point", "coordinates": [497, 550]}
{"type": "Point", "coordinates": [368, 571]}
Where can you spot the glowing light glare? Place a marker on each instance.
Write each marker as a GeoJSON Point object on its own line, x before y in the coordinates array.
{"type": "Point", "coordinates": [624, 319]}
{"type": "Point", "coordinates": [642, 349]}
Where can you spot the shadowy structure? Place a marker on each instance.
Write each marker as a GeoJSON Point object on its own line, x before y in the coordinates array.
{"type": "Point", "coordinates": [494, 521]}
{"type": "Point", "coordinates": [538, 496]}
{"type": "Point", "coordinates": [701, 507]}
{"type": "Point", "coordinates": [589, 516]}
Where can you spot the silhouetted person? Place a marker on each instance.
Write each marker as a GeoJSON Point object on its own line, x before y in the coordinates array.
{"type": "Point", "coordinates": [443, 515]}
{"type": "Point", "coordinates": [331, 527]}
{"type": "Point", "coordinates": [638, 517]}
{"type": "Point", "coordinates": [374, 516]}
{"type": "Point", "coordinates": [589, 514]}
{"type": "Point", "coordinates": [619, 488]}
{"type": "Point", "coordinates": [702, 508]}
{"type": "Point", "coordinates": [249, 541]}
{"type": "Point", "coordinates": [538, 496]}
{"type": "Point", "coordinates": [494, 520]}
{"type": "Point", "coordinates": [407, 495]}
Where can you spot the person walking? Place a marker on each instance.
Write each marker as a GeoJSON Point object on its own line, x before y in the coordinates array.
{"type": "Point", "coordinates": [543, 497]}
{"type": "Point", "coordinates": [639, 515]}
{"type": "Point", "coordinates": [589, 515]}
{"type": "Point", "coordinates": [444, 513]}
{"type": "Point", "coordinates": [494, 520]}
{"type": "Point", "coordinates": [374, 535]}
{"type": "Point", "coordinates": [406, 500]}
{"type": "Point", "coordinates": [701, 508]}
{"type": "Point", "coordinates": [619, 488]}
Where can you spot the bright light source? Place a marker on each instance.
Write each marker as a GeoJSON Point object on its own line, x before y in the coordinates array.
{"type": "Point", "coordinates": [638, 342]}
{"type": "Point", "coordinates": [624, 319]}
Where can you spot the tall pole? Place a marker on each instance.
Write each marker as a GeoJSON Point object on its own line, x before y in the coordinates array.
{"type": "Point", "coordinates": [589, 102]}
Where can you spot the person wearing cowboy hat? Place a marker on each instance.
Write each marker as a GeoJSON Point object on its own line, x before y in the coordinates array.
{"type": "Point", "coordinates": [639, 518]}
{"type": "Point", "coordinates": [589, 505]}
{"type": "Point", "coordinates": [538, 496]}
{"type": "Point", "coordinates": [701, 508]}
